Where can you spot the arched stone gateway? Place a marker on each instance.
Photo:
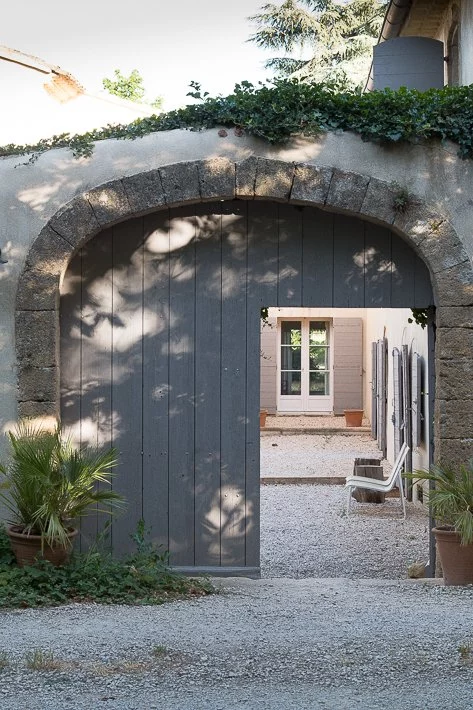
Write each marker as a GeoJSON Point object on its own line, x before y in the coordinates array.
{"type": "Point", "coordinates": [229, 532]}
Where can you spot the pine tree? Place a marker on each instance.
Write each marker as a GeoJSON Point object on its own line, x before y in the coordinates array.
{"type": "Point", "coordinates": [337, 34]}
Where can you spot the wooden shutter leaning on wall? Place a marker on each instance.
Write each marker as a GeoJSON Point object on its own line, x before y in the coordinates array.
{"type": "Point", "coordinates": [381, 396]}
{"type": "Point", "coordinates": [397, 401]}
{"type": "Point", "coordinates": [374, 390]}
{"type": "Point", "coordinates": [347, 364]}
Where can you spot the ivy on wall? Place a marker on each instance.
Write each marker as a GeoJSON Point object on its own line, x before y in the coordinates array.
{"type": "Point", "coordinates": [288, 108]}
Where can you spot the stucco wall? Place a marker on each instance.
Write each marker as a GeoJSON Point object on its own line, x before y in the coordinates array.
{"type": "Point", "coordinates": [32, 194]}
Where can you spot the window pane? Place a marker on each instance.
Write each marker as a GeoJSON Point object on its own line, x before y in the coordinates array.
{"type": "Point", "coordinates": [318, 333]}
{"type": "Point", "coordinates": [318, 358]}
{"type": "Point", "coordinates": [319, 383]}
{"type": "Point", "coordinates": [290, 382]}
{"type": "Point", "coordinates": [290, 358]}
{"type": "Point", "coordinates": [291, 332]}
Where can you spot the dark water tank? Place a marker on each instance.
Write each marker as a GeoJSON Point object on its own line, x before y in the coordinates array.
{"type": "Point", "coordinates": [415, 62]}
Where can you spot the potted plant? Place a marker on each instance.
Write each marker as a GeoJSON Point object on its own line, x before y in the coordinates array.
{"type": "Point", "coordinates": [353, 417]}
{"type": "Point", "coordinates": [451, 502]}
{"type": "Point", "coordinates": [47, 485]}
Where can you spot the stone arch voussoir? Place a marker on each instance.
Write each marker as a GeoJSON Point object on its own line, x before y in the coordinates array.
{"type": "Point", "coordinates": [422, 225]}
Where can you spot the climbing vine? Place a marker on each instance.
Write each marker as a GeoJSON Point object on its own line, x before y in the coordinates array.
{"type": "Point", "coordinates": [286, 108]}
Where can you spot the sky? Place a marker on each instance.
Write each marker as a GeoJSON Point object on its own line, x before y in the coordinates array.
{"type": "Point", "coordinates": [170, 43]}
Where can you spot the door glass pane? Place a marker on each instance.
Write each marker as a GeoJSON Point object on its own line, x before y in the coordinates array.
{"type": "Point", "coordinates": [290, 358]}
{"type": "Point", "coordinates": [319, 383]}
{"type": "Point", "coordinates": [290, 383]}
{"type": "Point", "coordinates": [318, 358]}
{"type": "Point", "coordinates": [291, 332]}
{"type": "Point", "coordinates": [318, 333]}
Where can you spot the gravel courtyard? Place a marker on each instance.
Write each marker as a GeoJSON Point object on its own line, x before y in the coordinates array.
{"type": "Point", "coordinates": [333, 624]}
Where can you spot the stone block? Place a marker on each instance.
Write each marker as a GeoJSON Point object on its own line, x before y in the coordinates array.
{"type": "Point", "coordinates": [347, 191]}
{"type": "Point", "coordinates": [311, 184]}
{"type": "Point", "coordinates": [454, 418]}
{"type": "Point", "coordinates": [38, 384]}
{"type": "Point", "coordinates": [454, 286]}
{"type": "Point", "coordinates": [216, 179]}
{"type": "Point", "coordinates": [454, 317]}
{"type": "Point", "coordinates": [46, 414]}
{"type": "Point", "coordinates": [454, 379]}
{"type": "Point", "coordinates": [109, 203]}
{"type": "Point", "coordinates": [454, 344]}
{"type": "Point", "coordinates": [50, 253]}
{"type": "Point", "coordinates": [36, 333]}
{"type": "Point", "coordinates": [144, 191]}
{"type": "Point", "coordinates": [37, 291]}
{"type": "Point", "coordinates": [76, 222]}
{"type": "Point", "coordinates": [273, 179]}
{"type": "Point", "coordinates": [454, 451]}
{"type": "Point", "coordinates": [418, 221]}
{"type": "Point", "coordinates": [441, 248]}
{"type": "Point", "coordinates": [379, 201]}
{"type": "Point", "coordinates": [180, 183]}
{"type": "Point", "coordinates": [245, 178]}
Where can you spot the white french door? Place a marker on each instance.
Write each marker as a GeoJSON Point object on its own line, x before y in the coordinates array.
{"type": "Point", "coordinates": [304, 366]}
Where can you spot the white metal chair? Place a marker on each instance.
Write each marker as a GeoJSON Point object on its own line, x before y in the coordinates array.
{"type": "Point", "coordinates": [371, 484]}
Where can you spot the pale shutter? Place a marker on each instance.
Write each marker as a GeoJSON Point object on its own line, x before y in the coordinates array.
{"type": "Point", "coordinates": [347, 364]}
{"type": "Point", "coordinates": [406, 406]}
{"type": "Point", "coordinates": [374, 390]}
{"type": "Point", "coordinates": [416, 399]}
{"type": "Point", "coordinates": [397, 394]}
{"type": "Point", "coordinates": [381, 394]}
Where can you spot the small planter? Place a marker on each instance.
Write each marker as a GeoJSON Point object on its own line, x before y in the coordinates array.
{"type": "Point", "coordinates": [456, 559]}
{"type": "Point", "coordinates": [353, 417]}
{"type": "Point", "coordinates": [262, 418]}
{"type": "Point", "coordinates": [27, 548]}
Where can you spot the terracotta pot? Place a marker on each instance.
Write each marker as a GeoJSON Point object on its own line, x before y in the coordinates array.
{"type": "Point", "coordinates": [27, 548]}
{"type": "Point", "coordinates": [262, 418]}
{"type": "Point", "coordinates": [456, 559]}
{"type": "Point", "coordinates": [353, 417]}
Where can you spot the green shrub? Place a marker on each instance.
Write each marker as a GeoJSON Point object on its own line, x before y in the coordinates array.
{"type": "Point", "coordinates": [142, 578]}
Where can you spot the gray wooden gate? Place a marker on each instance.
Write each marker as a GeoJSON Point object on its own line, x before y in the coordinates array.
{"type": "Point", "coordinates": [160, 322]}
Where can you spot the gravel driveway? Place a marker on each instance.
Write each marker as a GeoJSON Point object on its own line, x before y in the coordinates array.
{"type": "Point", "coordinates": [271, 643]}
{"type": "Point", "coordinates": [332, 624]}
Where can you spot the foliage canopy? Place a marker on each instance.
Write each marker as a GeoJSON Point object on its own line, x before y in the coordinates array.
{"type": "Point", "coordinates": [321, 40]}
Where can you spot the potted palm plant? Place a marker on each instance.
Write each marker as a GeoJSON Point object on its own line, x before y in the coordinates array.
{"type": "Point", "coordinates": [451, 502]}
{"type": "Point", "coordinates": [47, 485]}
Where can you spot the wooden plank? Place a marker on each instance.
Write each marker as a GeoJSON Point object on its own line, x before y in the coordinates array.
{"type": "Point", "coordinates": [348, 264]}
{"type": "Point", "coordinates": [70, 346]}
{"type": "Point", "coordinates": [289, 256]}
{"type": "Point", "coordinates": [127, 366]}
{"type": "Point", "coordinates": [378, 266]}
{"type": "Point", "coordinates": [156, 376]}
{"type": "Point", "coordinates": [181, 386]}
{"type": "Point", "coordinates": [423, 296]}
{"type": "Point", "coordinates": [317, 258]}
{"type": "Point", "coordinates": [208, 345]}
{"type": "Point", "coordinates": [234, 372]}
{"type": "Point", "coordinates": [262, 284]}
{"type": "Point", "coordinates": [96, 363]}
{"type": "Point", "coordinates": [403, 273]}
